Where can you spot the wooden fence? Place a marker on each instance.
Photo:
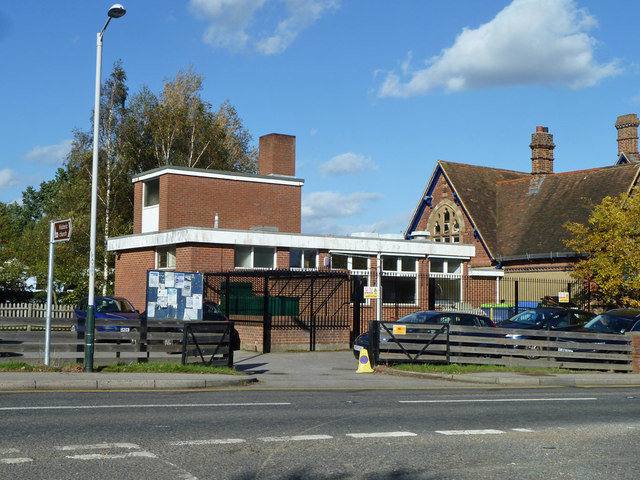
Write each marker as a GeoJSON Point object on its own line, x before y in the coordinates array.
{"type": "Point", "coordinates": [116, 341]}
{"type": "Point", "coordinates": [390, 342]}
{"type": "Point", "coordinates": [34, 310]}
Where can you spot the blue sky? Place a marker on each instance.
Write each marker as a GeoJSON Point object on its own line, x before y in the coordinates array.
{"type": "Point", "coordinates": [374, 91]}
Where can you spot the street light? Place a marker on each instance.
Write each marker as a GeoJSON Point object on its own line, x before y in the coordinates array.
{"type": "Point", "coordinates": [116, 11]}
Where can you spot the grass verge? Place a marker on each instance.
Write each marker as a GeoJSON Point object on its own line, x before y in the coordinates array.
{"type": "Point", "coordinates": [150, 367]}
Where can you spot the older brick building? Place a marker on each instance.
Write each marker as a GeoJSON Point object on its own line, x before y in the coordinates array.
{"type": "Point", "coordinates": [516, 219]}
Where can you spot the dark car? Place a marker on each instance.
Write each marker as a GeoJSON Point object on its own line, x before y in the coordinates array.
{"type": "Point", "coordinates": [430, 318]}
{"type": "Point", "coordinates": [616, 321]}
{"type": "Point", "coordinates": [211, 312]}
{"type": "Point", "coordinates": [106, 308]}
{"type": "Point", "coordinates": [542, 318]}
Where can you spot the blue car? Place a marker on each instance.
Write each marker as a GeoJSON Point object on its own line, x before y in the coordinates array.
{"type": "Point", "coordinates": [107, 308]}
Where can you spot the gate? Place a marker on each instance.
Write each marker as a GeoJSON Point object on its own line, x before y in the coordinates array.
{"type": "Point", "coordinates": [307, 303]}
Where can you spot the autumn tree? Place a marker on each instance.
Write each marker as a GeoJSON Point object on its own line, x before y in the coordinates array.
{"type": "Point", "coordinates": [610, 243]}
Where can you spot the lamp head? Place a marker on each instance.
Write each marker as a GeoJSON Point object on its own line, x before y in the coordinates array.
{"type": "Point", "coordinates": [116, 11]}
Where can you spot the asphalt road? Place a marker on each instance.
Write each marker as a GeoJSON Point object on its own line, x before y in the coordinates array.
{"type": "Point", "coordinates": [292, 434]}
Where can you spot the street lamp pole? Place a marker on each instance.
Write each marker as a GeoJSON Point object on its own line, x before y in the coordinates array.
{"type": "Point", "coordinates": [116, 11]}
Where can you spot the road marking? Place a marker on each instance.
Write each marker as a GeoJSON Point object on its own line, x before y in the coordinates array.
{"type": "Point", "coordinates": [215, 441]}
{"type": "Point", "coordinates": [381, 434]}
{"type": "Point", "coordinates": [295, 438]}
{"type": "Point", "coordinates": [98, 446]}
{"type": "Point", "coordinates": [487, 400]}
{"type": "Point", "coordinates": [470, 432]}
{"type": "Point", "coordinates": [523, 430]}
{"type": "Point", "coordinates": [100, 456]}
{"type": "Point", "coordinates": [15, 460]}
{"type": "Point", "coordinates": [180, 405]}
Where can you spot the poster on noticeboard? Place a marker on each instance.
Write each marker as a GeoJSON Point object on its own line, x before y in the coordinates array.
{"type": "Point", "coordinates": [174, 295]}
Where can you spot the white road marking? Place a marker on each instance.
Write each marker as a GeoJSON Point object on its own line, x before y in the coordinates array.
{"type": "Point", "coordinates": [15, 460]}
{"type": "Point", "coordinates": [96, 456]}
{"type": "Point", "coordinates": [179, 405]}
{"type": "Point", "coordinates": [99, 446]}
{"type": "Point", "coordinates": [480, 400]}
{"type": "Point", "coordinates": [215, 441]}
{"type": "Point", "coordinates": [523, 430]}
{"type": "Point", "coordinates": [470, 432]}
{"type": "Point", "coordinates": [381, 434]}
{"type": "Point", "coordinates": [295, 438]}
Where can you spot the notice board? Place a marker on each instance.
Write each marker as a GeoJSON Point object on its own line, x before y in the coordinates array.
{"type": "Point", "coordinates": [174, 295]}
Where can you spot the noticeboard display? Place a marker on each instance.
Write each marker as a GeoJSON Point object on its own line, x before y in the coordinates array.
{"type": "Point", "coordinates": [174, 295]}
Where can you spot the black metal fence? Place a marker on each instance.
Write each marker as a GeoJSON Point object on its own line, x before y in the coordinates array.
{"type": "Point", "coordinates": [282, 300]}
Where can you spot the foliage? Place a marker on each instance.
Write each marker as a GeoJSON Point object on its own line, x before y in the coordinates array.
{"type": "Point", "coordinates": [610, 241]}
{"type": "Point", "coordinates": [151, 367]}
{"type": "Point", "coordinates": [137, 133]}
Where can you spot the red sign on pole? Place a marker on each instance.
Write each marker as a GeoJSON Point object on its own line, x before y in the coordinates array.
{"type": "Point", "coordinates": [62, 230]}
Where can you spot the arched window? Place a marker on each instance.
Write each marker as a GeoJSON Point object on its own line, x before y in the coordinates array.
{"type": "Point", "coordinates": [446, 223]}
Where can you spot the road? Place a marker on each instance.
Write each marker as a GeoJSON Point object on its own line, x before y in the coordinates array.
{"type": "Point", "coordinates": [292, 434]}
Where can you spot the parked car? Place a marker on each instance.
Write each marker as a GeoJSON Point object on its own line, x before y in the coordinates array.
{"type": "Point", "coordinates": [616, 321]}
{"type": "Point", "coordinates": [541, 318]}
{"type": "Point", "coordinates": [106, 308]}
{"type": "Point", "coordinates": [429, 318]}
{"type": "Point", "coordinates": [212, 312]}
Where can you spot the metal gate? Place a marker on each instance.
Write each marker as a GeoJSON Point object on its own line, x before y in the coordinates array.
{"type": "Point", "coordinates": [282, 300]}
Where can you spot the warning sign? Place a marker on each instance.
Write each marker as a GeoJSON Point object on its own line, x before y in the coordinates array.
{"type": "Point", "coordinates": [370, 292]}
{"type": "Point", "coordinates": [563, 297]}
{"type": "Point", "coordinates": [399, 329]}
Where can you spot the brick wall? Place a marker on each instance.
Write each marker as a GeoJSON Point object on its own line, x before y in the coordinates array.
{"type": "Point", "coordinates": [635, 351]}
{"type": "Point", "coordinates": [277, 155]}
{"type": "Point", "coordinates": [131, 276]}
{"type": "Point", "coordinates": [188, 201]}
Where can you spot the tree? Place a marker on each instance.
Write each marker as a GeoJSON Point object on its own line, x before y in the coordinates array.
{"type": "Point", "coordinates": [610, 240]}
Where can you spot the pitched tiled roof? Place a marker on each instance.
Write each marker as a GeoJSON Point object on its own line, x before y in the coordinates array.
{"type": "Point", "coordinates": [476, 188]}
{"type": "Point", "coordinates": [532, 211]}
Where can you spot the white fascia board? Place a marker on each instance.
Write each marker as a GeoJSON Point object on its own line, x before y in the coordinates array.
{"type": "Point", "coordinates": [291, 240]}
{"type": "Point", "coordinates": [277, 180]}
{"type": "Point", "coordinates": [486, 272]}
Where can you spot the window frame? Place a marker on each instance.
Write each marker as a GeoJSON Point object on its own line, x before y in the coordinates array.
{"type": "Point", "coordinates": [169, 254]}
{"type": "Point", "coordinates": [252, 258]}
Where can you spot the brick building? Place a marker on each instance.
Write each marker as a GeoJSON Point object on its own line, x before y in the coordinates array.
{"type": "Point", "coordinates": [516, 219]}
{"type": "Point", "coordinates": [212, 221]}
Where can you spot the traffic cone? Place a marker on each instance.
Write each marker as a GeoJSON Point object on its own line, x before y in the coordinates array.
{"type": "Point", "coordinates": [364, 366]}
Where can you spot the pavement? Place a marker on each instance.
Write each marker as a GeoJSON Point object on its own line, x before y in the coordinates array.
{"type": "Point", "coordinates": [298, 370]}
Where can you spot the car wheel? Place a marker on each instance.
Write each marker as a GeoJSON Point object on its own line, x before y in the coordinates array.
{"type": "Point", "coordinates": [531, 352]}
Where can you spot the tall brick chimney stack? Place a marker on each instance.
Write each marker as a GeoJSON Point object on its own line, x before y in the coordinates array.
{"type": "Point", "coordinates": [277, 155]}
{"type": "Point", "coordinates": [627, 126]}
{"type": "Point", "coordinates": [542, 151]}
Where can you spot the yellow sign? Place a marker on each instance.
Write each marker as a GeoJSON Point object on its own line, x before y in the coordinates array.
{"type": "Point", "coordinates": [563, 297]}
{"type": "Point", "coordinates": [399, 329]}
{"type": "Point", "coordinates": [370, 292]}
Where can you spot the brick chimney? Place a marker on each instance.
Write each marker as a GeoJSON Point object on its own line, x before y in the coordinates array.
{"type": "Point", "coordinates": [277, 155]}
{"type": "Point", "coordinates": [542, 151]}
{"type": "Point", "coordinates": [627, 126]}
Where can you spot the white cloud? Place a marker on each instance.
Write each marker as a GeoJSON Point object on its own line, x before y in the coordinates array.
{"type": "Point", "coordinates": [541, 42]}
{"type": "Point", "coordinates": [320, 209]}
{"type": "Point", "coordinates": [234, 24]}
{"type": "Point", "coordinates": [347, 163]}
{"type": "Point", "coordinates": [50, 154]}
{"type": "Point", "coordinates": [8, 178]}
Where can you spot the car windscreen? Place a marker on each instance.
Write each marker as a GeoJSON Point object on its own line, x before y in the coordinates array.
{"type": "Point", "coordinates": [420, 317]}
{"type": "Point", "coordinates": [533, 317]}
{"type": "Point", "coordinates": [112, 305]}
{"type": "Point", "coordinates": [610, 323]}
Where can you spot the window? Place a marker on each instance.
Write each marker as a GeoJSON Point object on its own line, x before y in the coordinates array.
{"type": "Point", "coordinates": [399, 280]}
{"type": "Point", "coordinates": [358, 266]}
{"type": "Point", "coordinates": [448, 280]}
{"type": "Point", "coordinates": [445, 223]}
{"type": "Point", "coordinates": [166, 257]}
{"type": "Point", "coordinates": [254, 257]}
{"type": "Point", "coordinates": [302, 258]}
{"type": "Point", "coordinates": [152, 193]}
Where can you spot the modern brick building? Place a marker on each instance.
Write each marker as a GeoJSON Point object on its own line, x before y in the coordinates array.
{"type": "Point", "coordinates": [212, 221]}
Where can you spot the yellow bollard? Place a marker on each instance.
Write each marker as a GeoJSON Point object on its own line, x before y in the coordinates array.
{"type": "Point", "coordinates": [364, 366]}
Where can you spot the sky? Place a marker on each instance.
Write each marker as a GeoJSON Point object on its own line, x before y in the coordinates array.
{"type": "Point", "coordinates": [375, 91]}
